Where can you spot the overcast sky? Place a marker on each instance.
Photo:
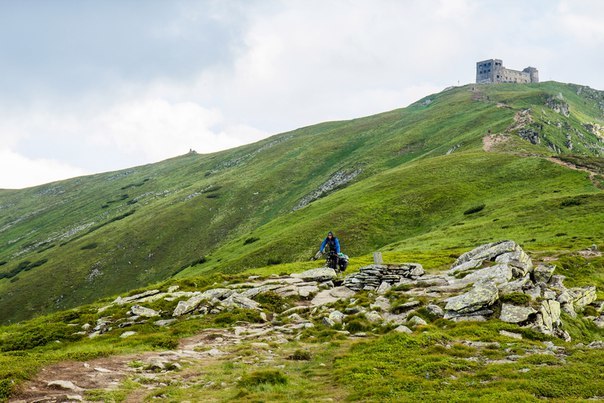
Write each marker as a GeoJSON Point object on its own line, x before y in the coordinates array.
{"type": "Point", "coordinates": [91, 86]}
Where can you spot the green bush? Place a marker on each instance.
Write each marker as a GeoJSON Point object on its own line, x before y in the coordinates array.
{"type": "Point", "coordinates": [300, 355]}
{"type": "Point", "coordinates": [250, 240]}
{"type": "Point", "coordinates": [263, 377]}
{"type": "Point", "coordinates": [6, 387]}
{"type": "Point", "coordinates": [358, 325]}
{"type": "Point", "coordinates": [474, 209]}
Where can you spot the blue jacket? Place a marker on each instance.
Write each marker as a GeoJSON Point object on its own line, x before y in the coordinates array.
{"type": "Point", "coordinates": [335, 242]}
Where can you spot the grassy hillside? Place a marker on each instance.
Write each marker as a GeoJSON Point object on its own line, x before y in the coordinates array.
{"type": "Point", "coordinates": [399, 181]}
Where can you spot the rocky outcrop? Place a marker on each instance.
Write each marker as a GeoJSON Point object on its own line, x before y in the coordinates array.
{"type": "Point", "coordinates": [493, 281]}
{"type": "Point", "coordinates": [337, 180]}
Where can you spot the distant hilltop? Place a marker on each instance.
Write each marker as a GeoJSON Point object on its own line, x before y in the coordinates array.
{"type": "Point", "coordinates": [492, 71]}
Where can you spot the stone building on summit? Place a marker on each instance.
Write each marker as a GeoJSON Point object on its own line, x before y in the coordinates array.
{"type": "Point", "coordinates": [492, 71]}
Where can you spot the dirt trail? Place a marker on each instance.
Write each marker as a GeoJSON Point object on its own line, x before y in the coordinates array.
{"type": "Point", "coordinates": [592, 174]}
{"type": "Point", "coordinates": [107, 373]}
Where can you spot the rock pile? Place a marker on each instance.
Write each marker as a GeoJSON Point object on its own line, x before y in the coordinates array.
{"type": "Point", "coordinates": [374, 276]}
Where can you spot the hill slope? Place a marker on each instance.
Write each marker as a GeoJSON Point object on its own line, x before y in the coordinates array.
{"type": "Point", "coordinates": [399, 181]}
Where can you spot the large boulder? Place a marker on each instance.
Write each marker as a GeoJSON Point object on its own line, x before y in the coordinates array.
{"type": "Point", "coordinates": [515, 314]}
{"type": "Point", "coordinates": [549, 316]}
{"type": "Point", "coordinates": [138, 310]}
{"type": "Point", "coordinates": [239, 301]}
{"type": "Point", "coordinates": [498, 274]}
{"type": "Point", "coordinates": [480, 296]}
{"type": "Point", "coordinates": [487, 252]}
{"type": "Point", "coordinates": [319, 274]}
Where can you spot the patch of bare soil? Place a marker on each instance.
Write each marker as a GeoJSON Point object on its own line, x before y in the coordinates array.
{"type": "Point", "coordinates": [491, 140]}
{"type": "Point", "coordinates": [69, 380]}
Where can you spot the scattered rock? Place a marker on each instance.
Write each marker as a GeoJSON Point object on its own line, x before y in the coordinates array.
{"type": "Point", "coordinates": [337, 317]}
{"type": "Point", "coordinates": [127, 334]}
{"type": "Point", "coordinates": [510, 334]}
{"type": "Point", "coordinates": [382, 303]}
{"type": "Point", "coordinates": [67, 385]}
{"type": "Point", "coordinates": [435, 310]}
{"type": "Point", "coordinates": [142, 311]}
{"type": "Point", "coordinates": [383, 288]}
{"type": "Point", "coordinates": [320, 274]}
{"type": "Point", "coordinates": [417, 321]}
{"type": "Point", "coordinates": [403, 329]}
{"type": "Point", "coordinates": [373, 317]}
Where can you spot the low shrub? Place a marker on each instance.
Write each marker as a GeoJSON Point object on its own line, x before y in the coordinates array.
{"type": "Point", "coordinates": [263, 377]}
{"type": "Point", "coordinates": [474, 209]}
{"type": "Point", "coordinates": [250, 240]}
{"type": "Point", "coordinates": [300, 355]}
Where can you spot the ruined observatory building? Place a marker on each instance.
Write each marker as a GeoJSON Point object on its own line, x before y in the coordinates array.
{"type": "Point", "coordinates": [492, 71]}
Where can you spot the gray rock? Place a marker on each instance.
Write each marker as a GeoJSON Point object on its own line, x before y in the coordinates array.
{"type": "Point", "coordinates": [596, 344]}
{"type": "Point", "coordinates": [465, 267]}
{"type": "Point", "coordinates": [480, 296]}
{"type": "Point", "coordinates": [519, 261]}
{"type": "Point", "coordinates": [533, 292]}
{"type": "Point", "coordinates": [568, 309]}
{"type": "Point", "coordinates": [417, 321]}
{"type": "Point", "coordinates": [549, 294]}
{"type": "Point", "coordinates": [332, 295]}
{"type": "Point", "coordinates": [337, 316]}
{"type": "Point", "coordinates": [550, 314]}
{"type": "Point", "coordinates": [127, 334]}
{"type": "Point", "coordinates": [487, 252]}
{"type": "Point", "coordinates": [583, 296]}
{"type": "Point", "coordinates": [514, 286]}
{"type": "Point", "coordinates": [557, 282]}
{"type": "Point", "coordinates": [239, 301]}
{"type": "Point", "coordinates": [543, 273]}
{"type": "Point", "coordinates": [126, 300]}
{"type": "Point", "coordinates": [164, 322]}
{"type": "Point", "coordinates": [435, 310]}
{"type": "Point", "coordinates": [328, 322]}
{"type": "Point", "coordinates": [307, 290]}
{"type": "Point", "coordinates": [515, 314]}
{"type": "Point", "coordinates": [599, 322]}
{"type": "Point", "coordinates": [498, 274]}
{"type": "Point", "coordinates": [144, 312]}
{"type": "Point", "coordinates": [383, 288]}
{"type": "Point", "coordinates": [456, 316]}
{"type": "Point", "coordinates": [319, 274]}
{"type": "Point", "coordinates": [67, 385]}
{"type": "Point", "coordinates": [403, 329]}
{"type": "Point", "coordinates": [381, 303]}
{"type": "Point", "coordinates": [373, 317]}
{"type": "Point", "coordinates": [510, 334]}
{"type": "Point", "coordinates": [187, 306]}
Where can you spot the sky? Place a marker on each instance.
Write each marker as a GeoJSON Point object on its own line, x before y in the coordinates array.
{"type": "Point", "coordinates": [95, 86]}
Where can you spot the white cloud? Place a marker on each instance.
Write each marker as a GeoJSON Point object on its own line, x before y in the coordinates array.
{"type": "Point", "coordinates": [158, 129]}
{"type": "Point", "coordinates": [288, 64]}
{"type": "Point", "coordinates": [17, 171]}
